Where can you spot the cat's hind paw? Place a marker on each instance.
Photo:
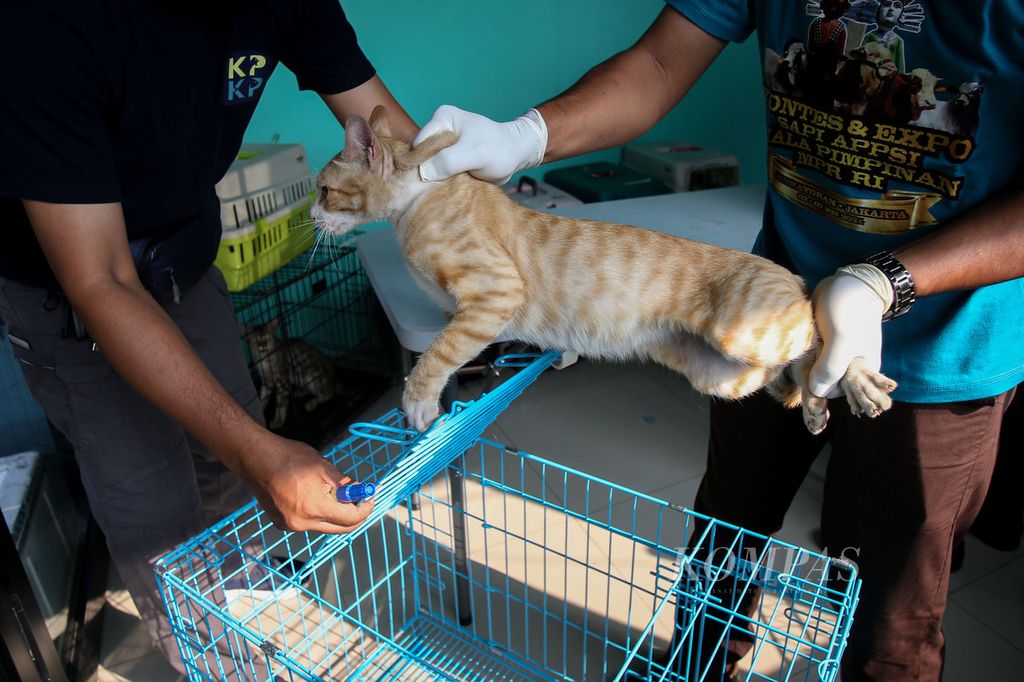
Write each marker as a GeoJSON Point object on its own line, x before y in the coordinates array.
{"type": "Point", "coordinates": [815, 412]}
{"type": "Point", "coordinates": [420, 413]}
{"type": "Point", "coordinates": [867, 391]}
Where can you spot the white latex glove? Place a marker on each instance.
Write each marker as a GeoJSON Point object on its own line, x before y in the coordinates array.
{"type": "Point", "coordinates": [489, 150]}
{"type": "Point", "coordinates": [848, 309]}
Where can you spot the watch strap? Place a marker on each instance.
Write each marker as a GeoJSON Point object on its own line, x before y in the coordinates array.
{"type": "Point", "coordinates": [903, 289]}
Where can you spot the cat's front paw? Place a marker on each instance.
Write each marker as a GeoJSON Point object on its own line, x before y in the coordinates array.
{"type": "Point", "coordinates": [420, 413]}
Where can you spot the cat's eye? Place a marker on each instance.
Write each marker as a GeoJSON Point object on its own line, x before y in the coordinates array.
{"type": "Point", "coordinates": [323, 193]}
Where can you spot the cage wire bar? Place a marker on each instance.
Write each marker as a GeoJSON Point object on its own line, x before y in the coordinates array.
{"type": "Point", "coordinates": [566, 577]}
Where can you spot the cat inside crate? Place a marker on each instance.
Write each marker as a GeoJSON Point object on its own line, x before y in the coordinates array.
{"type": "Point", "coordinates": [731, 322]}
{"type": "Point", "coordinates": [291, 371]}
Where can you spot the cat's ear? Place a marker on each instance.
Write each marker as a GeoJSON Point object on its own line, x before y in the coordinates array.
{"type": "Point", "coordinates": [380, 123]}
{"type": "Point", "coordinates": [362, 145]}
{"type": "Point", "coordinates": [358, 139]}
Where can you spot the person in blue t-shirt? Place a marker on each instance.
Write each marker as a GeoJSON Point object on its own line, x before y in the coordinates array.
{"type": "Point", "coordinates": [906, 162]}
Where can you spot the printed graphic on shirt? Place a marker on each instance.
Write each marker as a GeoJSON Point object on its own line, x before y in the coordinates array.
{"type": "Point", "coordinates": [848, 102]}
{"type": "Point", "coordinates": [246, 74]}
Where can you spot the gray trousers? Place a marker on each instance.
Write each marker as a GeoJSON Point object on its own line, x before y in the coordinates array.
{"type": "Point", "coordinates": [150, 484]}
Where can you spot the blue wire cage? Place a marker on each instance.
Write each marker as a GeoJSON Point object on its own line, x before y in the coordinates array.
{"type": "Point", "coordinates": [504, 566]}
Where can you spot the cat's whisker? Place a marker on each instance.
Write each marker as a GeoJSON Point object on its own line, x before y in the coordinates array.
{"type": "Point", "coordinates": [316, 245]}
{"type": "Point", "coordinates": [336, 256]}
{"type": "Point", "coordinates": [312, 254]}
{"type": "Point", "coordinates": [303, 230]}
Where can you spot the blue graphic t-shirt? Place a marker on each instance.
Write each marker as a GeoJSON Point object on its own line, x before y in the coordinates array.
{"type": "Point", "coordinates": [887, 120]}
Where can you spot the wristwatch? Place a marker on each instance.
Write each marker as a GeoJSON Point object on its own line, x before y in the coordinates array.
{"type": "Point", "coordinates": [903, 290]}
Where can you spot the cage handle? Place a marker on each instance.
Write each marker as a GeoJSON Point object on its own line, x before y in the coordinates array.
{"type": "Point", "coordinates": [457, 406]}
{"type": "Point", "coordinates": [509, 360]}
{"type": "Point", "coordinates": [381, 432]}
{"type": "Point", "coordinates": [529, 182]}
{"type": "Point", "coordinates": [828, 668]}
{"type": "Point", "coordinates": [516, 359]}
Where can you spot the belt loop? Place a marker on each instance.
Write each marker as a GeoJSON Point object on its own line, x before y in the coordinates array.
{"type": "Point", "coordinates": [73, 327]}
{"type": "Point", "coordinates": [175, 291]}
{"type": "Point", "coordinates": [80, 332]}
{"type": "Point", "coordinates": [69, 324]}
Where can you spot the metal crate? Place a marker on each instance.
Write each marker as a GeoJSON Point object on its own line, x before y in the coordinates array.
{"type": "Point", "coordinates": [323, 298]}
{"type": "Point", "coordinates": [511, 567]}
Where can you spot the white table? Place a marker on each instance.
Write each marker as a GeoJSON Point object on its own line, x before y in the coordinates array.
{"type": "Point", "coordinates": [729, 217]}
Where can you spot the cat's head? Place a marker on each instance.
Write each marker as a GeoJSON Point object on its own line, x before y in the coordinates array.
{"type": "Point", "coordinates": [364, 182]}
{"type": "Point", "coordinates": [262, 341]}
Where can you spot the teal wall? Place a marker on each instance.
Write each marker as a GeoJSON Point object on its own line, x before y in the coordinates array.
{"type": "Point", "coordinates": [500, 58]}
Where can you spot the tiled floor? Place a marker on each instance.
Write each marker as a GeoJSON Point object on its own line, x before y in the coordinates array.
{"type": "Point", "coordinates": [643, 428]}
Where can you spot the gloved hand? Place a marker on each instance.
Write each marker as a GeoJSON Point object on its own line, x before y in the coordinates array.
{"type": "Point", "coordinates": [489, 150]}
{"type": "Point", "coordinates": [848, 309]}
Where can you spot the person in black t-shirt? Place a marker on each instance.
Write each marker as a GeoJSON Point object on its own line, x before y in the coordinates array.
{"type": "Point", "coordinates": [117, 119]}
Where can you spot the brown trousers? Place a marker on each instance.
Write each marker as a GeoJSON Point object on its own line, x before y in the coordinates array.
{"type": "Point", "coordinates": [900, 491]}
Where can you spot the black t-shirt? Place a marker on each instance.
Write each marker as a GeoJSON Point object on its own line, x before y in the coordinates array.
{"type": "Point", "coordinates": [144, 102]}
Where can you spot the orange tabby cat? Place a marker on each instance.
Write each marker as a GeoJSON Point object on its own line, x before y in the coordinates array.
{"type": "Point", "coordinates": [729, 321]}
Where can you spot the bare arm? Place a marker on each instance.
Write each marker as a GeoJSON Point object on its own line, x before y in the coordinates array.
{"type": "Point", "coordinates": [362, 99]}
{"type": "Point", "coordinates": [613, 103]}
{"type": "Point", "coordinates": [621, 98]}
{"type": "Point", "coordinates": [87, 248]}
{"type": "Point", "coordinates": [983, 246]}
